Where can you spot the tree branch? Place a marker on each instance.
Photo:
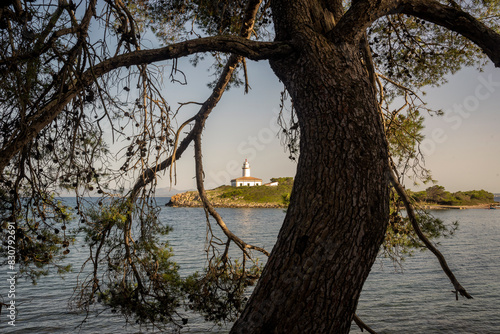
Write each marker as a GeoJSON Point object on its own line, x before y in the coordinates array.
{"type": "Point", "coordinates": [195, 134]}
{"type": "Point", "coordinates": [362, 325]}
{"type": "Point", "coordinates": [360, 16]}
{"type": "Point", "coordinates": [200, 118]}
{"type": "Point", "coordinates": [238, 45]}
{"type": "Point", "coordinates": [336, 7]}
{"type": "Point", "coordinates": [209, 207]}
{"type": "Point", "coordinates": [231, 44]}
{"type": "Point", "coordinates": [363, 13]}
{"type": "Point", "coordinates": [207, 107]}
{"type": "Point", "coordinates": [413, 219]}
{"type": "Point", "coordinates": [456, 20]}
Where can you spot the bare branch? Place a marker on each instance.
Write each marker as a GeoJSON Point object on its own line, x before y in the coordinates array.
{"type": "Point", "coordinates": [362, 325]}
{"type": "Point", "coordinates": [200, 117]}
{"type": "Point", "coordinates": [177, 141]}
{"type": "Point", "coordinates": [209, 207]}
{"type": "Point", "coordinates": [413, 219]}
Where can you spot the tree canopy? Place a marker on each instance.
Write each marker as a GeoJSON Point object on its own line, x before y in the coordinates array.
{"type": "Point", "coordinates": [82, 110]}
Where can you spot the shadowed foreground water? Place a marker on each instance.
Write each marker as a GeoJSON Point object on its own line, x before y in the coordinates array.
{"type": "Point", "coordinates": [417, 300]}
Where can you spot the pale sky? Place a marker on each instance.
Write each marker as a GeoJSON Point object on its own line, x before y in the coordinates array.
{"type": "Point", "coordinates": [462, 149]}
{"type": "Point", "coordinates": [463, 146]}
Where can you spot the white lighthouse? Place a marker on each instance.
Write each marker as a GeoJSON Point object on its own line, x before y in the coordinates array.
{"type": "Point", "coordinates": [245, 170]}
{"type": "Point", "coordinates": [246, 179]}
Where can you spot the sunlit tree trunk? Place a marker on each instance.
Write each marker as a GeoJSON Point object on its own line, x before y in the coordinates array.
{"type": "Point", "coordinates": [338, 210]}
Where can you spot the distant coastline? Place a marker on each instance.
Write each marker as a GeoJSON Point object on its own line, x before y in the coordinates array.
{"type": "Point", "coordinates": [433, 198]}
{"type": "Point", "coordinates": [495, 205]}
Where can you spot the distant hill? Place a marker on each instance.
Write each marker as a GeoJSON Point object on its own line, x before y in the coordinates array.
{"type": "Point", "coordinates": [239, 197]}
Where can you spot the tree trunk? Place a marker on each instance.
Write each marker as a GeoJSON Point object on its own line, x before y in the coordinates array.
{"type": "Point", "coordinates": [339, 208]}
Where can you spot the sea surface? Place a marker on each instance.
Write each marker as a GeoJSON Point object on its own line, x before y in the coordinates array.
{"type": "Point", "coordinates": [414, 298]}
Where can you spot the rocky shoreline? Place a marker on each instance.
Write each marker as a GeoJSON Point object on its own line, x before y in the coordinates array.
{"type": "Point", "coordinates": [460, 207]}
{"type": "Point", "coordinates": [191, 199]}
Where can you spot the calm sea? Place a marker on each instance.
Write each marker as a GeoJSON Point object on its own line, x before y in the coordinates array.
{"type": "Point", "coordinates": [417, 299]}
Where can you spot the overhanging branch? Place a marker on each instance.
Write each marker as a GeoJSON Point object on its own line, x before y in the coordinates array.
{"type": "Point", "coordinates": [413, 219]}
{"type": "Point", "coordinates": [209, 207]}
{"type": "Point", "coordinates": [207, 107]}
{"type": "Point", "coordinates": [363, 13]}
{"type": "Point", "coordinates": [360, 16]}
{"type": "Point", "coordinates": [456, 20]}
{"type": "Point", "coordinates": [232, 44]}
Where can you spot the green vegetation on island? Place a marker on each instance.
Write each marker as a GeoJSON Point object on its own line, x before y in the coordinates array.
{"type": "Point", "coordinates": [437, 195]}
{"type": "Point", "coordinates": [244, 196]}
{"type": "Point", "coordinates": [279, 196]}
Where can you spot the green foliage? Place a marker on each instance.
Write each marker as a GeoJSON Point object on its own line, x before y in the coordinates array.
{"type": "Point", "coordinates": [36, 235]}
{"type": "Point", "coordinates": [286, 199]}
{"type": "Point", "coordinates": [409, 54]}
{"type": "Point", "coordinates": [438, 195]}
{"type": "Point", "coordinates": [232, 193]}
{"type": "Point", "coordinates": [137, 277]}
{"type": "Point", "coordinates": [401, 239]}
{"type": "Point", "coordinates": [219, 293]}
{"type": "Point", "coordinates": [173, 20]}
{"type": "Point", "coordinates": [159, 302]}
{"type": "Point", "coordinates": [258, 194]}
{"type": "Point", "coordinates": [417, 53]}
{"type": "Point", "coordinates": [133, 271]}
{"type": "Point", "coordinates": [404, 133]}
{"type": "Point", "coordinates": [284, 181]}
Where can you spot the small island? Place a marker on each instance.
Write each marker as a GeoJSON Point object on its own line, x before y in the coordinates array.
{"type": "Point", "coordinates": [436, 197]}
{"type": "Point", "coordinates": [260, 196]}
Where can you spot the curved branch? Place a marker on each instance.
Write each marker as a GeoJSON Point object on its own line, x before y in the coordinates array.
{"type": "Point", "coordinates": [200, 118]}
{"type": "Point", "coordinates": [207, 106]}
{"type": "Point", "coordinates": [364, 12]}
{"type": "Point", "coordinates": [360, 16]}
{"type": "Point", "coordinates": [234, 44]}
{"type": "Point", "coordinates": [196, 131]}
{"type": "Point", "coordinates": [413, 219]}
{"type": "Point", "coordinates": [209, 207]}
{"type": "Point", "coordinates": [456, 20]}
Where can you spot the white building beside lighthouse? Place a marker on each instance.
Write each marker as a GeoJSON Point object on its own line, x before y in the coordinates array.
{"type": "Point", "coordinates": [246, 179]}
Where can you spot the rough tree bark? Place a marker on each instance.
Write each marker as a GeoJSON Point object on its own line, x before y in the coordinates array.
{"type": "Point", "coordinates": [339, 205]}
